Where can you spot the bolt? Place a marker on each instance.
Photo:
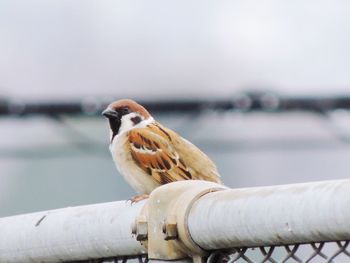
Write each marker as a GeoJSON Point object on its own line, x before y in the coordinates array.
{"type": "Point", "coordinates": [170, 228]}
{"type": "Point", "coordinates": [140, 228]}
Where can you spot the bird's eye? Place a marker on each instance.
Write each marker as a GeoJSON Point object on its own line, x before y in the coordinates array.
{"type": "Point", "coordinates": [124, 111]}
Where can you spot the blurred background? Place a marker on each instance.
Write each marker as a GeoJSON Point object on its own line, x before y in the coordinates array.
{"type": "Point", "coordinates": [271, 80]}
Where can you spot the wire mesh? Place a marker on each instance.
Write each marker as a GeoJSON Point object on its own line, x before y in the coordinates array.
{"type": "Point", "coordinates": [332, 252]}
{"type": "Point", "coordinates": [318, 252]}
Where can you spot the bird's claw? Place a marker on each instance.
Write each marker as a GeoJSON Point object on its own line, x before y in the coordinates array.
{"type": "Point", "coordinates": [137, 198]}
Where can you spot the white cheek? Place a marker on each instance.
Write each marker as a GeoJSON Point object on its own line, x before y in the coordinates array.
{"type": "Point", "coordinates": [127, 123]}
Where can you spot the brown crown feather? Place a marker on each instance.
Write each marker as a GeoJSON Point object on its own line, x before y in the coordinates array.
{"type": "Point", "coordinates": [132, 105]}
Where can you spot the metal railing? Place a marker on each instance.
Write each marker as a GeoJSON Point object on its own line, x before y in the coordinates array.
{"type": "Point", "coordinates": [200, 220]}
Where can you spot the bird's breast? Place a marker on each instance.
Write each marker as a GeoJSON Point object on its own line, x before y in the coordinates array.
{"type": "Point", "coordinates": [140, 181]}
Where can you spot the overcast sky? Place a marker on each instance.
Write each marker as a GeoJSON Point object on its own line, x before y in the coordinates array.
{"type": "Point", "coordinates": [65, 49]}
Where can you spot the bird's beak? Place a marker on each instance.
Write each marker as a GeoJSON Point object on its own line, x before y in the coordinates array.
{"type": "Point", "coordinates": [108, 113]}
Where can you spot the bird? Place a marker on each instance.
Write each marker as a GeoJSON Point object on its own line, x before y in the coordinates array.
{"type": "Point", "coordinates": [148, 154]}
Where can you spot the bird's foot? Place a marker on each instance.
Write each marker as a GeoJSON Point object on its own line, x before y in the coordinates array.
{"type": "Point", "coordinates": [138, 198]}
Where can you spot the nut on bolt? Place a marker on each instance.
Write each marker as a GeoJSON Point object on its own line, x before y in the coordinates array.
{"type": "Point", "coordinates": [170, 228]}
{"type": "Point", "coordinates": [140, 228]}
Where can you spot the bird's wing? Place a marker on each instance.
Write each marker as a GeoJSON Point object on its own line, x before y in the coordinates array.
{"type": "Point", "coordinates": [199, 164]}
{"type": "Point", "coordinates": [168, 157]}
{"type": "Point", "coordinates": [152, 150]}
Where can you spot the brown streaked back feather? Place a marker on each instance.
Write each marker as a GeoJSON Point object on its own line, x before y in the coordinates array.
{"type": "Point", "coordinates": [166, 156]}
{"type": "Point", "coordinates": [202, 167]}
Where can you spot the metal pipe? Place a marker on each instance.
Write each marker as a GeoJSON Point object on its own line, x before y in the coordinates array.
{"type": "Point", "coordinates": [274, 215]}
{"type": "Point", "coordinates": [247, 217]}
{"type": "Point", "coordinates": [69, 234]}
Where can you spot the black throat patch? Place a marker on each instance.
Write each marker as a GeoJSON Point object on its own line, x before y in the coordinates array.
{"type": "Point", "coordinates": [115, 126]}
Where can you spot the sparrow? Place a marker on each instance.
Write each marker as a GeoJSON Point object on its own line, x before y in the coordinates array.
{"type": "Point", "coordinates": [147, 154]}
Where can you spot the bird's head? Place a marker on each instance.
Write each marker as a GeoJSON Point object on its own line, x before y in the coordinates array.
{"type": "Point", "coordinates": [124, 115]}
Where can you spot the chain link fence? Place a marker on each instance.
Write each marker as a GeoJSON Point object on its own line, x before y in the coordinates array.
{"type": "Point", "coordinates": [332, 252]}
{"type": "Point", "coordinates": [327, 252]}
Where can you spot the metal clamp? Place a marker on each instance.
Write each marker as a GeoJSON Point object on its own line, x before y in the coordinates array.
{"type": "Point", "coordinates": [166, 214]}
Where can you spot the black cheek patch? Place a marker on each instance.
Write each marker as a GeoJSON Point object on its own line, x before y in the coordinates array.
{"type": "Point", "coordinates": [136, 120]}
